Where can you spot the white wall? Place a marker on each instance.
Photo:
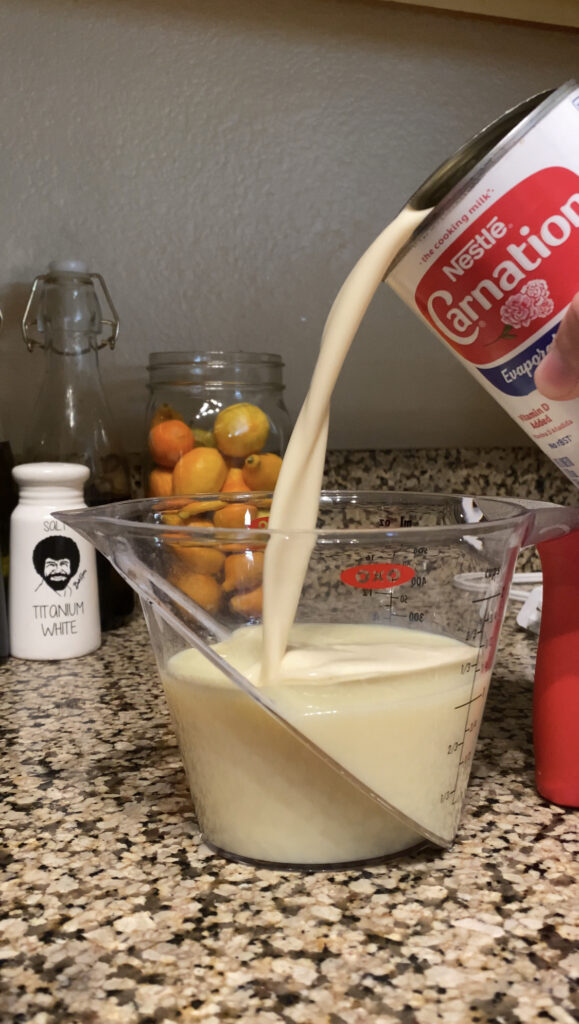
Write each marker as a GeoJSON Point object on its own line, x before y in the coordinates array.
{"type": "Point", "coordinates": [224, 162]}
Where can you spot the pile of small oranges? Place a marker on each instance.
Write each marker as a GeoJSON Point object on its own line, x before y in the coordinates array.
{"type": "Point", "coordinates": [222, 572]}
{"type": "Point", "coordinates": [228, 459]}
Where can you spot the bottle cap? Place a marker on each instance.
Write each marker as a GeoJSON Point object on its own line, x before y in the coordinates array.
{"type": "Point", "coordinates": [61, 474]}
{"type": "Point", "coordinates": [68, 267]}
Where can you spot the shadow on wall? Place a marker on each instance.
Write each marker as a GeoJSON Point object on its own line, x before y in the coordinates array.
{"type": "Point", "coordinates": [13, 299]}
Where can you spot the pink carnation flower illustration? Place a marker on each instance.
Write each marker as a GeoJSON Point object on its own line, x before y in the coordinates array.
{"type": "Point", "coordinates": [544, 308]}
{"type": "Point", "coordinates": [531, 303]}
{"type": "Point", "coordinates": [518, 310]}
{"type": "Point", "coordinates": [537, 289]}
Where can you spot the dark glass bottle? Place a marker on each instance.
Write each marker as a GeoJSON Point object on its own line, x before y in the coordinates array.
{"type": "Point", "coordinates": [72, 421]}
{"type": "Point", "coordinates": [4, 634]}
{"type": "Point", "coordinates": [8, 499]}
{"type": "Point", "coordinates": [8, 496]}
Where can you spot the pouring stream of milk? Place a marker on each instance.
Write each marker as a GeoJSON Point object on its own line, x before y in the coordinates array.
{"type": "Point", "coordinates": [297, 493]}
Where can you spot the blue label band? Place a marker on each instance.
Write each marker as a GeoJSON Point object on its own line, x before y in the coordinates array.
{"type": "Point", "coordinates": [516, 376]}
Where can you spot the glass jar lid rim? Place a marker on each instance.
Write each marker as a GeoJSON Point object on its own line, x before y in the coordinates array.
{"type": "Point", "coordinates": [212, 357]}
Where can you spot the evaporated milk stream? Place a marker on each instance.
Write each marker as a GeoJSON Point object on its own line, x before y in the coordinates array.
{"type": "Point", "coordinates": [297, 493]}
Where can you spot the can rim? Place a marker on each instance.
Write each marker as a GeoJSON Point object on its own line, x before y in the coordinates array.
{"type": "Point", "coordinates": [456, 175]}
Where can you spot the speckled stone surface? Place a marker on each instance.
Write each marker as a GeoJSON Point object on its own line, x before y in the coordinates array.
{"type": "Point", "coordinates": [114, 910]}
{"type": "Point", "coordinates": [518, 472]}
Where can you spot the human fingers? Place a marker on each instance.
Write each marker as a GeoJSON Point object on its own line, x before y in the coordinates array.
{"type": "Point", "coordinates": [557, 375]}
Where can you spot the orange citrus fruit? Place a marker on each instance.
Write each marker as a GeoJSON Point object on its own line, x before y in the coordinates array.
{"type": "Point", "coordinates": [261, 471]}
{"type": "Point", "coordinates": [168, 441]}
{"type": "Point", "coordinates": [235, 481]}
{"type": "Point", "coordinates": [203, 437]}
{"type": "Point", "coordinates": [205, 560]}
{"type": "Point", "coordinates": [190, 512]}
{"type": "Point", "coordinates": [164, 412]}
{"type": "Point", "coordinates": [243, 571]}
{"type": "Point", "coordinates": [171, 518]}
{"type": "Point", "coordinates": [241, 429]}
{"type": "Point", "coordinates": [203, 589]}
{"type": "Point", "coordinates": [199, 471]}
{"type": "Point", "coordinates": [160, 483]}
{"type": "Point", "coordinates": [235, 516]}
{"type": "Point", "coordinates": [249, 604]}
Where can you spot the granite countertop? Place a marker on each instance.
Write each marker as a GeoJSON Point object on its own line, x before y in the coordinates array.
{"type": "Point", "coordinates": [114, 910]}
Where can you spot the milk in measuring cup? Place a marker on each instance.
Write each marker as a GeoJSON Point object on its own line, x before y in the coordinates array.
{"type": "Point", "coordinates": [388, 705]}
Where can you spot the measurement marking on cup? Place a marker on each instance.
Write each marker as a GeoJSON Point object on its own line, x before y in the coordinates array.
{"type": "Point", "coordinates": [472, 700]}
{"type": "Point", "coordinates": [487, 597]}
{"type": "Point", "coordinates": [468, 728]}
{"type": "Point", "coordinates": [447, 795]}
{"type": "Point", "coordinates": [453, 748]}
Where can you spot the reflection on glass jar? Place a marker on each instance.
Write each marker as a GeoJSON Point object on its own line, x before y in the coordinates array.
{"type": "Point", "coordinates": [211, 417]}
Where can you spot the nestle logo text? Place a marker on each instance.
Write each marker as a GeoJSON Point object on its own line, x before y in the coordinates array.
{"type": "Point", "coordinates": [475, 248]}
{"type": "Point", "coordinates": [510, 277]}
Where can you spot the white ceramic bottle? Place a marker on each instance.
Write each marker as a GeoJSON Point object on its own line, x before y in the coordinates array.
{"type": "Point", "coordinates": [53, 604]}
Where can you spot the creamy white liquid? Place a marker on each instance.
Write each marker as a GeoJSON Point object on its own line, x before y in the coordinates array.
{"type": "Point", "coordinates": [297, 493]}
{"type": "Point", "coordinates": [389, 705]}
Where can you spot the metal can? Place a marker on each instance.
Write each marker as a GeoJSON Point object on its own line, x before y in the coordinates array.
{"type": "Point", "coordinates": [495, 264]}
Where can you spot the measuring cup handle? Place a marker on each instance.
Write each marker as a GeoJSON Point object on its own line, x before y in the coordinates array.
{"type": "Point", "coordinates": [556, 694]}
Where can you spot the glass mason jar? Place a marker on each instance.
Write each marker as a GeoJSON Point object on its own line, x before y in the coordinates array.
{"type": "Point", "coordinates": [197, 386]}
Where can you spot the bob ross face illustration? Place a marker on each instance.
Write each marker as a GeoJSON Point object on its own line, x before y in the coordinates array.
{"type": "Point", "coordinates": [56, 560]}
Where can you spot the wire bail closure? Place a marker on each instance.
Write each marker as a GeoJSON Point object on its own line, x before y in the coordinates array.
{"type": "Point", "coordinates": [31, 331]}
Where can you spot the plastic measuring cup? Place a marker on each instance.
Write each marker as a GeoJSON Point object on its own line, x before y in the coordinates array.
{"type": "Point", "coordinates": [370, 753]}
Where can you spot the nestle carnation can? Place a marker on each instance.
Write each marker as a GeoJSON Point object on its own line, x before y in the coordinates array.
{"type": "Point", "coordinates": [494, 266]}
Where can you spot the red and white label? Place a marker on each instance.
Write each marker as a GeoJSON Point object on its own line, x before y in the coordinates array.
{"type": "Point", "coordinates": [493, 273]}
{"type": "Point", "coordinates": [259, 523]}
{"type": "Point", "coordinates": [377, 575]}
{"type": "Point", "coordinates": [510, 272]}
